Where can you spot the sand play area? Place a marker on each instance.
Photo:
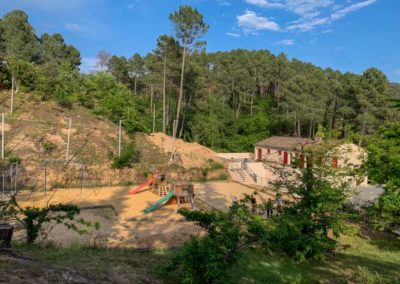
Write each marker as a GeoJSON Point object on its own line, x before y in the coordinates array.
{"type": "Point", "coordinates": [123, 222]}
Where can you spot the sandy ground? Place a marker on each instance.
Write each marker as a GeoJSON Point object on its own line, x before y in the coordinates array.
{"type": "Point", "coordinates": [220, 194]}
{"type": "Point", "coordinates": [190, 154]}
{"type": "Point", "coordinates": [124, 224]}
{"type": "Point", "coordinates": [128, 226]}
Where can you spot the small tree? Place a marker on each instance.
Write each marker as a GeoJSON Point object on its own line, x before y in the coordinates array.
{"type": "Point", "coordinates": [312, 218]}
{"type": "Point", "coordinates": [205, 260]}
{"type": "Point", "coordinates": [34, 219]}
{"type": "Point", "coordinates": [103, 57]}
{"type": "Point", "coordinates": [383, 169]}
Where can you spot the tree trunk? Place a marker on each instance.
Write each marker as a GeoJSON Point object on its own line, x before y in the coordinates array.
{"type": "Point", "coordinates": [12, 94]}
{"type": "Point", "coordinates": [362, 133]}
{"type": "Point", "coordinates": [151, 98]}
{"type": "Point", "coordinates": [180, 89]}
{"type": "Point", "coordinates": [154, 118]}
{"type": "Point", "coordinates": [135, 86]}
{"type": "Point", "coordinates": [251, 107]}
{"type": "Point", "coordinates": [334, 115]}
{"type": "Point", "coordinates": [298, 128]}
{"type": "Point", "coordinates": [164, 129]}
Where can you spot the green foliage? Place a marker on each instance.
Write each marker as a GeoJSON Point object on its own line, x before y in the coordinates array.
{"type": "Point", "coordinates": [18, 37]}
{"type": "Point", "coordinates": [48, 147]}
{"type": "Point", "coordinates": [205, 260]}
{"type": "Point", "coordinates": [14, 159]}
{"type": "Point", "coordinates": [34, 218]}
{"type": "Point", "coordinates": [311, 223]}
{"type": "Point", "coordinates": [189, 24]}
{"type": "Point", "coordinates": [129, 156]}
{"type": "Point", "coordinates": [383, 169]}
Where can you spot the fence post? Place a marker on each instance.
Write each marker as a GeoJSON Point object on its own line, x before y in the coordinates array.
{"type": "Point", "coordinates": [45, 177]}
{"type": "Point", "coordinates": [2, 135]}
{"type": "Point", "coordinates": [81, 178]}
{"type": "Point", "coordinates": [119, 138]}
{"type": "Point", "coordinates": [16, 178]}
{"type": "Point", "coordinates": [68, 138]}
{"type": "Point", "coordinates": [3, 185]}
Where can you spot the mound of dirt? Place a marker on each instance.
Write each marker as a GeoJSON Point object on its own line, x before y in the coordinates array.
{"type": "Point", "coordinates": [38, 131]}
{"type": "Point", "coordinates": [191, 155]}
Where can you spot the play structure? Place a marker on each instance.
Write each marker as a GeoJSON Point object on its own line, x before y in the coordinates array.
{"type": "Point", "coordinates": [170, 192]}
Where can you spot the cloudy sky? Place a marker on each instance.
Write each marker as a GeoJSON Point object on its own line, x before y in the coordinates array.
{"type": "Point", "coordinates": [349, 35]}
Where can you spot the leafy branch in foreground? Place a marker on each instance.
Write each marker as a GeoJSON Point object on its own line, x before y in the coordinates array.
{"type": "Point", "coordinates": [204, 260]}
{"type": "Point", "coordinates": [34, 219]}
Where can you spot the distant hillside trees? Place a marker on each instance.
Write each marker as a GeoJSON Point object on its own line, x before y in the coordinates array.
{"type": "Point", "coordinates": [225, 100]}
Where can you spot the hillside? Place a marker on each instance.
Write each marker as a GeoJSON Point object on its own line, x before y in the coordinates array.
{"type": "Point", "coordinates": [38, 130]}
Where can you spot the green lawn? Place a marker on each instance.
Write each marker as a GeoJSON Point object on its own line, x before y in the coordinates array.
{"type": "Point", "coordinates": [361, 257]}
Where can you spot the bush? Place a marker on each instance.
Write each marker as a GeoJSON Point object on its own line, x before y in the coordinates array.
{"type": "Point", "coordinates": [214, 166]}
{"type": "Point", "coordinates": [128, 157]}
{"type": "Point", "coordinates": [15, 159]}
{"type": "Point", "coordinates": [48, 147]}
{"type": "Point", "coordinates": [205, 260]}
{"type": "Point", "coordinates": [34, 218]}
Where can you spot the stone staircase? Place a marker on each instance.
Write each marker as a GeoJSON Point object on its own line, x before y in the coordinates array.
{"type": "Point", "coordinates": [247, 179]}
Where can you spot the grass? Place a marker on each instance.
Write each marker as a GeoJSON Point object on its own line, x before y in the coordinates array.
{"type": "Point", "coordinates": [361, 257]}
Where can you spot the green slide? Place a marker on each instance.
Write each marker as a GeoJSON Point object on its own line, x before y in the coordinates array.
{"type": "Point", "coordinates": [158, 203]}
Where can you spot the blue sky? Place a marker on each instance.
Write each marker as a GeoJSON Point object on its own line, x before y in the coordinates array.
{"type": "Point", "coordinates": [349, 35]}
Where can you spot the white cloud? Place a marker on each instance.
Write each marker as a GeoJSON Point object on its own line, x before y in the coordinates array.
{"type": "Point", "coordinates": [397, 71]}
{"type": "Point", "coordinates": [250, 22]}
{"type": "Point", "coordinates": [305, 8]}
{"type": "Point", "coordinates": [313, 13]}
{"type": "Point", "coordinates": [352, 8]}
{"type": "Point", "coordinates": [74, 27]}
{"type": "Point", "coordinates": [233, 34]}
{"type": "Point", "coordinates": [285, 42]}
{"type": "Point", "coordinates": [265, 3]}
{"type": "Point", "coordinates": [306, 24]}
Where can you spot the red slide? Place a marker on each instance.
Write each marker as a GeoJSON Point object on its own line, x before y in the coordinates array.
{"type": "Point", "coordinates": [141, 187]}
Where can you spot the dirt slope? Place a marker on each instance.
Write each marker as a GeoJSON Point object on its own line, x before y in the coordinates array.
{"type": "Point", "coordinates": [190, 155]}
{"type": "Point", "coordinates": [38, 131]}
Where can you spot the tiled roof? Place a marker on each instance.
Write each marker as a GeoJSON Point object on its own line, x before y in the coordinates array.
{"type": "Point", "coordinates": [287, 143]}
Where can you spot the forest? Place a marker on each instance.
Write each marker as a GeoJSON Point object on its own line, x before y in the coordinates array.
{"type": "Point", "coordinates": [228, 101]}
{"type": "Point", "coordinates": [223, 100]}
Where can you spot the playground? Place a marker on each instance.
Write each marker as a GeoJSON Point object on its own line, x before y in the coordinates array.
{"type": "Point", "coordinates": [122, 218]}
{"type": "Point", "coordinates": [143, 216]}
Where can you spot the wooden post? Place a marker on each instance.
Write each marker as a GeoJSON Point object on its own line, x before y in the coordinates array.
{"type": "Point", "coordinates": [81, 178]}
{"type": "Point", "coordinates": [68, 139]}
{"type": "Point", "coordinates": [2, 136]}
{"type": "Point", "coordinates": [45, 178]}
{"type": "Point", "coordinates": [154, 118]}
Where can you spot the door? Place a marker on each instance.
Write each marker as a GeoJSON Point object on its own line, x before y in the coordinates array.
{"type": "Point", "coordinates": [259, 154]}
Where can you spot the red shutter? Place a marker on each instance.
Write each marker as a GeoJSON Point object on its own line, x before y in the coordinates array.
{"type": "Point", "coordinates": [259, 154]}
{"type": "Point", "coordinates": [285, 158]}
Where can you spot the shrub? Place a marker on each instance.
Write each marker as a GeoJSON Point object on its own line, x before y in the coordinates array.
{"type": "Point", "coordinates": [48, 147]}
{"type": "Point", "coordinates": [34, 218]}
{"type": "Point", "coordinates": [205, 260]}
{"type": "Point", "coordinates": [128, 157]}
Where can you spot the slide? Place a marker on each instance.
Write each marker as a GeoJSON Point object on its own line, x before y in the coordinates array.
{"type": "Point", "coordinates": [141, 187]}
{"type": "Point", "coordinates": [158, 203]}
